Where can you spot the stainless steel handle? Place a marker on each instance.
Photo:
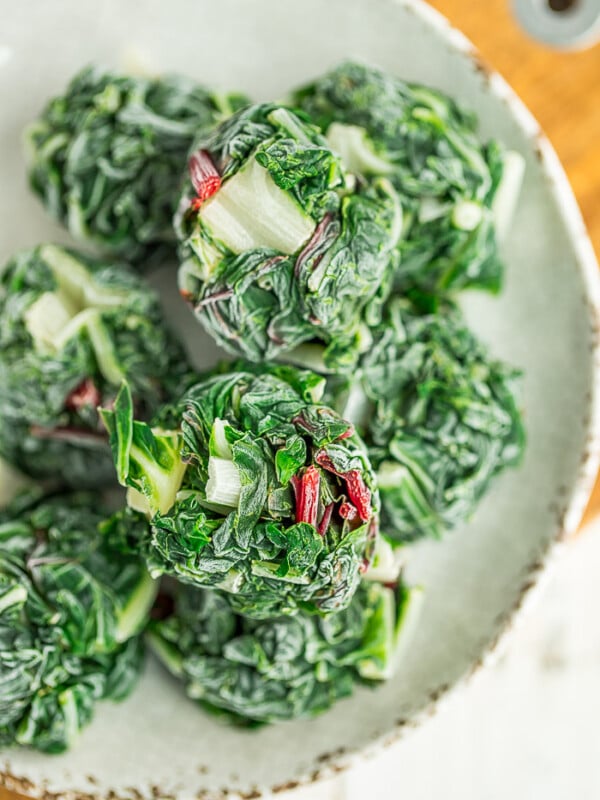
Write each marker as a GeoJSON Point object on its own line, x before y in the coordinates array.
{"type": "Point", "coordinates": [563, 24]}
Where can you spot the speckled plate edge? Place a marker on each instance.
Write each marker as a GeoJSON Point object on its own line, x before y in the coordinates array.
{"type": "Point", "coordinates": [569, 510]}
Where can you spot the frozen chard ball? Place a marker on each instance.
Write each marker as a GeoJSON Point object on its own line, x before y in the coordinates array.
{"type": "Point", "coordinates": [106, 157]}
{"type": "Point", "coordinates": [280, 244]}
{"type": "Point", "coordinates": [458, 195]}
{"type": "Point", "coordinates": [284, 668]}
{"type": "Point", "coordinates": [71, 330]}
{"type": "Point", "coordinates": [438, 414]}
{"type": "Point", "coordinates": [71, 612]}
{"type": "Point", "coordinates": [252, 487]}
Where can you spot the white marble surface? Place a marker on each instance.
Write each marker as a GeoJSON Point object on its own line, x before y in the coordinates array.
{"type": "Point", "coordinates": [526, 728]}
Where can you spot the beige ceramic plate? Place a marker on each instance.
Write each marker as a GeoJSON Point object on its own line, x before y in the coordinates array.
{"type": "Point", "coordinates": [158, 743]}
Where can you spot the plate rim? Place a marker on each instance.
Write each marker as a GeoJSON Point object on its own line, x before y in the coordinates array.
{"type": "Point", "coordinates": [568, 514]}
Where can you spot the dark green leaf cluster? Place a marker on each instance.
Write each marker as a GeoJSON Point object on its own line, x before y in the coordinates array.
{"type": "Point", "coordinates": [71, 329]}
{"type": "Point", "coordinates": [71, 611]}
{"type": "Point", "coordinates": [427, 146]}
{"type": "Point", "coordinates": [274, 499]}
{"type": "Point", "coordinates": [289, 247]}
{"type": "Point", "coordinates": [438, 415]}
{"type": "Point", "coordinates": [285, 668]}
{"type": "Point", "coordinates": [258, 502]}
{"type": "Point", "coordinates": [106, 157]}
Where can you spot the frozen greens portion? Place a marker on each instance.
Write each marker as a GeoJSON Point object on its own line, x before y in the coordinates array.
{"type": "Point", "coordinates": [279, 244]}
{"type": "Point", "coordinates": [457, 194]}
{"type": "Point", "coordinates": [71, 611]}
{"type": "Point", "coordinates": [285, 668]}
{"type": "Point", "coordinates": [106, 156]}
{"type": "Point", "coordinates": [72, 329]}
{"type": "Point", "coordinates": [438, 415]}
{"type": "Point", "coordinates": [253, 487]}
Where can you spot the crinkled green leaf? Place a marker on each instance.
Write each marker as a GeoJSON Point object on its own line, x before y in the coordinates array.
{"type": "Point", "coordinates": [71, 609]}
{"type": "Point", "coordinates": [439, 416]}
{"type": "Point", "coordinates": [260, 294]}
{"type": "Point", "coordinates": [282, 668]}
{"type": "Point", "coordinates": [427, 146]}
{"type": "Point", "coordinates": [106, 157]}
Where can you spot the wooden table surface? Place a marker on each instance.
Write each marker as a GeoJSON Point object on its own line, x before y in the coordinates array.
{"type": "Point", "coordinates": [563, 92]}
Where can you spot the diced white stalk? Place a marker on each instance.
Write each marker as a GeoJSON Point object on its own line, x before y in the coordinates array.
{"type": "Point", "coordinates": [190, 270]}
{"type": "Point", "coordinates": [365, 339]}
{"type": "Point", "coordinates": [207, 255]}
{"type": "Point", "coordinates": [138, 501]}
{"type": "Point", "coordinates": [223, 486]}
{"type": "Point", "coordinates": [318, 390]}
{"type": "Point", "coordinates": [46, 318]}
{"type": "Point", "coordinates": [391, 474]}
{"type": "Point", "coordinates": [134, 614]}
{"type": "Point", "coordinates": [76, 222]}
{"type": "Point", "coordinates": [91, 320]}
{"type": "Point", "coordinates": [103, 348]}
{"type": "Point", "coordinates": [167, 655]}
{"type": "Point", "coordinates": [387, 563]}
{"type": "Point", "coordinates": [14, 597]}
{"type": "Point", "coordinates": [322, 671]}
{"type": "Point", "coordinates": [219, 446]}
{"type": "Point", "coordinates": [357, 408]}
{"type": "Point", "coordinates": [286, 120]}
{"type": "Point", "coordinates": [507, 194]}
{"type": "Point", "coordinates": [354, 147]}
{"type": "Point", "coordinates": [218, 508]}
{"type": "Point", "coordinates": [408, 619]}
{"type": "Point", "coordinates": [70, 713]}
{"type": "Point", "coordinates": [369, 668]}
{"type": "Point", "coordinates": [232, 582]}
{"type": "Point", "coordinates": [430, 208]}
{"type": "Point", "coordinates": [309, 356]}
{"type": "Point", "coordinates": [267, 569]}
{"type": "Point", "coordinates": [77, 282]}
{"type": "Point", "coordinates": [160, 487]}
{"type": "Point", "coordinates": [250, 211]}
{"type": "Point", "coordinates": [467, 215]}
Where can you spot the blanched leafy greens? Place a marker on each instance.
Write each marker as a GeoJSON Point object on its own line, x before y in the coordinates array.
{"type": "Point", "coordinates": [70, 614]}
{"type": "Point", "coordinates": [254, 488]}
{"type": "Point", "coordinates": [456, 193]}
{"type": "Point", "coordinates": [284, 668]}
{"type": "Point", "coordinates": [439, 417]}
{"type": "Point", "coordinates": [329, 236]}
{"type": "Point", "coordinates": [279, 244]}
{"type": "Point", "coordinates": [106, 157]}
{"type": "Point", "coordinates": [71, 330]}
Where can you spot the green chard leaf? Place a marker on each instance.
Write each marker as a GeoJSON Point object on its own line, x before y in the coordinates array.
{"type": "Point", "coordinates": [241, 495]}
{"type": "Point", "coordinates": [278, 244]}
{"type": "Point", "coordinates": [105, 158]}
{"type": "Point", "coordinates": [282, 668]}
{"type": "Point", "coordinates": [72, 329]}
{"type": "Point", "coordinates": [148, 461]}
{"type": "Point", "coordinates": [439, 416]}
{"type": "Point", "coordinates": [71, 611]}
{"type": "Point", "coordinates": [458, 195]}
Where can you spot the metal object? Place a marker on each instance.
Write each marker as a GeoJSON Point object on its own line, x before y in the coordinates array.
{"type": "Point", "coordinates": [564, 24]}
